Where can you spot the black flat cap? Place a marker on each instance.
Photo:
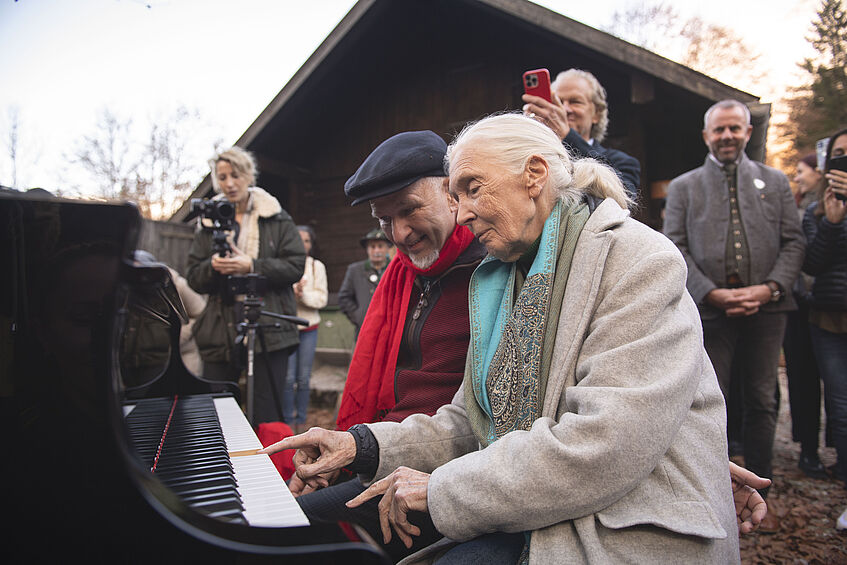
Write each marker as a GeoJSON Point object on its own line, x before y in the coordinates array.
{"type": "Point", "coordinates": [396, 163]}
{"type": "Point", "coordinates": [375, 234]}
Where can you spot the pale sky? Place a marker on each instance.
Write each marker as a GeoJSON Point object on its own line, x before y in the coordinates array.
{"type": "Point", "coordinates": [64, 60]}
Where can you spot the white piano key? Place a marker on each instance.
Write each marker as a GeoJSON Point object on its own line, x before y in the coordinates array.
{"type": "Point", "coordinates": [267, 500]}
{"type": "Point", "coordinates": [238, 434]}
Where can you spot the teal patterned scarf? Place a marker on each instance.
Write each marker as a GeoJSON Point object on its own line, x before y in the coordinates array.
{"type": "Point", "coordinates": [512, 338]}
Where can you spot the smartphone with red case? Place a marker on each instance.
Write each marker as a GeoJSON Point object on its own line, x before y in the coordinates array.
{"type": "Point", "coordinates": [537, 83]}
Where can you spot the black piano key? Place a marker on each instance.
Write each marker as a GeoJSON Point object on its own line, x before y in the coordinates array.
{"type": "Point", "coordinates": [183, 444]}
{"type": "Point", "coordinates": [209, 493]}
{"type": "Point", "coordinates": [194, 471]}
{"type": "Point", "coordinates": [199, 492]}
{"type": "Point", "coordinates": [201, 459]}
{"type": "Point", "coordinates": [222, 506]}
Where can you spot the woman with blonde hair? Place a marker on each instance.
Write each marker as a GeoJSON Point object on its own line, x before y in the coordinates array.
{"type": "Point", "coordinates": [266, 242]}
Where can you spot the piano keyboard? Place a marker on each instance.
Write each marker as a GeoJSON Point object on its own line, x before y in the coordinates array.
{"type": "Point", "coordinates": [267, 500]}
{"type": "Point", "coordinates": [208, 458]}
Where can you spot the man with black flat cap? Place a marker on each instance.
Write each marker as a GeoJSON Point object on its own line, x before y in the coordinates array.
{"type": "Point", "coordinates": [410, 353]}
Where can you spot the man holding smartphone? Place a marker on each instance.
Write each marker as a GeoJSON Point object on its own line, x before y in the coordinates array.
{"type": "Point", "coordinates": [579, 115]}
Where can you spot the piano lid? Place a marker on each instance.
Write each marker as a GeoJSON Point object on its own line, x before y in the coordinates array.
{"type": "Point", "coordinates": [69, 289]}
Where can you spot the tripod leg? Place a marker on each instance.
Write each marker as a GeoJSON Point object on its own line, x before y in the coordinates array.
{"type": "Point", "coordinates": [271, 375]}
{"type": "Point", "coordinates": [251, 381]}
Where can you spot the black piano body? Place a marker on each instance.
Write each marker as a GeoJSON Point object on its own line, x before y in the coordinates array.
{"type": "Point", "coordinates": [74, 486]}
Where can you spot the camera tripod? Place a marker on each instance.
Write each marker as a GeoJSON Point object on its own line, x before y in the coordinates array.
{"type": "Point", "coordinates": [248, 330]}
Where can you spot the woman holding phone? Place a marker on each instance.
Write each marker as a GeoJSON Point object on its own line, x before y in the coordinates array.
{"type": "Point", "coordinates": [826, 260]}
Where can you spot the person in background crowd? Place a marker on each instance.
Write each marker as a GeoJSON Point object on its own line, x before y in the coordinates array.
{"type": "Point", "coordinates": [194, 304]}
{"type": "Point", "coordinates": [804, 385]}
{"type": "Point", "coordinates": [826, 259]}
{"type": "Point", "coordinates": [579, 115]}
{"type": "Point", "coordinates": [311, 293]}
{"type": "Point", "coordinates": [135, 335]}
{"type": "Point", "coordinates": [362, 277]}
{"type": "Point", "coordinates": [809, 181]}
{"type": "Point", "coordinates": [735, 222]}
{"type": "Point", "coordinates": [266, 242]}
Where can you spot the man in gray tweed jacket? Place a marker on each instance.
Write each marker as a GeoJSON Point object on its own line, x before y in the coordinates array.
{"type": "Point", "coordinates": [735, 222]}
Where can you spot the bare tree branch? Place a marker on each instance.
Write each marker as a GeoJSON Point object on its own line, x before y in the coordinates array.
{"type": "Point", "coordinates": [709, 48]}
{"type": "Point", "coordinates": [157, 173]}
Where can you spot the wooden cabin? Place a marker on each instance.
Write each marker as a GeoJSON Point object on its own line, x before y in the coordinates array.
{"type": "Point", "coordinates": [398, 65]}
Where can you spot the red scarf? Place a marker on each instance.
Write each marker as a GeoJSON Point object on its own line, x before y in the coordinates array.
{"type": "Point", "coordinates": [370, 380]}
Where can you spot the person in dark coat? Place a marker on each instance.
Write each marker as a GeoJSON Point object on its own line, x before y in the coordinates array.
{"type": "Point", "coordinates": [825, 225]}
{"type": "Point", "coordinates": [579, 115]}
{"type": "Point", "coordinates": [265, 241]}
{"type": "Point", "coordinates": [361, 278]}
{"type": "Point", "coordinates": [826, 259]}
{"type": "Point", "coordinates": [801, 369]}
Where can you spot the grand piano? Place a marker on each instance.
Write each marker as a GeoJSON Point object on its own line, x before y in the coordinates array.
{"type": "Point", "coordinates": [114, 450]}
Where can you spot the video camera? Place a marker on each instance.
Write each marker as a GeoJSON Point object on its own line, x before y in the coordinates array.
{"type": "Point", "coordinates": [222, 215]}
{"type": "Point", "coordinates": [219, 211]}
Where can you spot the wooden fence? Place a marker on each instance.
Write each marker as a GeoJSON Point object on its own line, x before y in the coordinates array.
{"type": "Point", "coordinates": [168, 242]}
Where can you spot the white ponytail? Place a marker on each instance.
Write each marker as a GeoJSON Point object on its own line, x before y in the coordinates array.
{"type": "Point", "coordinates": [599, 180]}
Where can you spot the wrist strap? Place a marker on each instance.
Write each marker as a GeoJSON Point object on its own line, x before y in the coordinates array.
{"type": "Point", "coordinates": [367, 451]}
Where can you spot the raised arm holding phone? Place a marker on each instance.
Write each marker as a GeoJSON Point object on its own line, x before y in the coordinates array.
{"type": "Point", "coordinates": [578, 113]}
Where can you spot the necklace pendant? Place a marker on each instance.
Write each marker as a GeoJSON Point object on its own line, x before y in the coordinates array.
{"type": "Point", "coordinates": [422, 302]}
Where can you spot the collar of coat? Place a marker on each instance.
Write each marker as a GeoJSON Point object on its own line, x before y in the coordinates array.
{"type": "Point", "coordinates": [609, 217]}
{"type": "Point", "coordinates": [742, 161]}
{"type": "Point", "coordinates": [264, 202]}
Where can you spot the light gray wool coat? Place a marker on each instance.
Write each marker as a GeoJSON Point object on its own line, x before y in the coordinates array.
{"type": "Point", "coordinates": [628, 462]}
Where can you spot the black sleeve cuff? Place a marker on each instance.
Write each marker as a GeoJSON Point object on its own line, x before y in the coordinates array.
{"type": "Point", "coordinates": [367, 451]}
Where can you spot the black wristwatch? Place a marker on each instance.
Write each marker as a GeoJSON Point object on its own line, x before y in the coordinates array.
{"type": "Point", "coordinates": [776, 292]}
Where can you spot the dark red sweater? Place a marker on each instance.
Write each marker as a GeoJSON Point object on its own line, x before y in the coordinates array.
{"type": "Point", "coordinates": [431, 361]}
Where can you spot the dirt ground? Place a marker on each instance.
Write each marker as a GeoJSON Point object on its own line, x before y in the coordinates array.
{"type": "Point", "coordinates": [808, 508]}
{"type": "Point", "coordinates": [321, 417]}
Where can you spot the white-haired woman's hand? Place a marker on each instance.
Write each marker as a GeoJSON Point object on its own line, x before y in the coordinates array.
{"type": "Point", "coordinates": [319, 454]}
{"type": "Point", "coordinates": [402, 491]}
{"type": "Point", "coordinates": [750, 507]}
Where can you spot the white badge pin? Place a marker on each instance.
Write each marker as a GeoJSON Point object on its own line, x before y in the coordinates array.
{"type": "Point", "coordinates": [759, 183]}
{"type": "Point", "coordinates": [373, 277]}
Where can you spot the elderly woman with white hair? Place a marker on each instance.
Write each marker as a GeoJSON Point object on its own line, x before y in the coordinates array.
{"type": "Point", "coordinates": [590, 427]}
{"type": "Point", "coordinates": [264, 241]}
